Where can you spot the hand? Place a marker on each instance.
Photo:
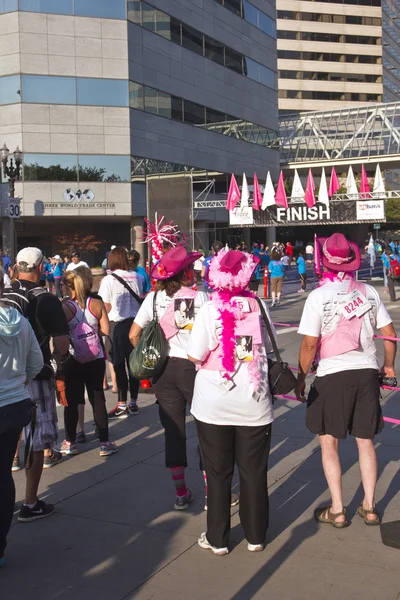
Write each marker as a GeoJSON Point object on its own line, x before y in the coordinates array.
{"type": "Point", "coordinates": [387, 372]}
{"type": "Point", "coordinates": [299, 390]}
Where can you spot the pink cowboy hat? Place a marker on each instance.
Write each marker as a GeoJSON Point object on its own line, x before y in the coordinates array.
{"type": "Point", "coordinates": [231, 270]}
{"type": "Point", "coordinates": [172, 262]}
{"type": "Point", "coordinates": [338, 254]}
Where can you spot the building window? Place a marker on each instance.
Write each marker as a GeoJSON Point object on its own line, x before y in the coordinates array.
{"type": "Point", "coordinates": [195, 114]}
{"type": "Point", "coordinates": [251, 14]}
{"type": "Point", "coordinates": [233, 60]}
{"type": "Point", "coordinates": [60, 7]}
{"type": "Point", "coordinates": [136, 97]}
{"type": "Point", "coordinates": [48, 90]}
{"type": "Point", "coordinates": [10, 89]}
{"type": "Point", "coordinates": [214, 50]}
{"type": "Point", "coordinates": [104, 168]}
{"type": "Point", "coordinates": [234, 6]}
{"type": "Point", "coordinates": [162, 104]}
{"type": "Point", "coordinates": [192, 39]}
{"type": "Point", "coordinates": [102, 92]}
{"type": "Point", "coordinates": [8, 6]}
{"type": "Point", "coordinates": [115, 9]}
{"type": "Point", "coordinates": [214, 116]}
{"type": "Point", "coordinates": [134, 14]}
{"type": "Point", "coordinates": [70, 167]}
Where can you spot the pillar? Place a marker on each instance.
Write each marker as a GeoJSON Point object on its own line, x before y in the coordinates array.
{"type": "Point", "coordinates": [271, 236]}
{"type": "Point", "coordinates": [137, 237]}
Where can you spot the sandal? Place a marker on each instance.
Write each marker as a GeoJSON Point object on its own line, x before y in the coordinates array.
{"type": "Point", "coordinates": [362, 512]}
{"type": "Point", "coordinates": [331, 518]}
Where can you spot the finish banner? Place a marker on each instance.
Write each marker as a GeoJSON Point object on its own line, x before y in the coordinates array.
{"type": "Point", "coordinates": [337, 213]}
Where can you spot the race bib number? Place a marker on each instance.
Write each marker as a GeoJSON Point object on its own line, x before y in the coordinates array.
{"type": "Point", "coordinates": [355, 305]}
{"type": "Point", "coordinates": [242, 303]}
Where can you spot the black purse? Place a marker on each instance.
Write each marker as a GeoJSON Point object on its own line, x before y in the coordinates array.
{"type": "Point", "coordinates": [281, 378]}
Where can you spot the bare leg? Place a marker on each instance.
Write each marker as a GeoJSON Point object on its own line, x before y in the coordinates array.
{"type": "Point", "coordinates": [18, 447]}
{"type": "Point", "coordinates": [279, 296]}
{"type": "Point", "coordinates": [33, 477]}
{"type": "Point", "coordinates": [113, 377]}
{"type": "Point", "coordinates": [273, 295]}
{"type": "Point", "coordinates": [333, 472]}
{"type": "Point", "coordinates": [369, 473]}
{"type": "Point", "coordinates": [81, 418]}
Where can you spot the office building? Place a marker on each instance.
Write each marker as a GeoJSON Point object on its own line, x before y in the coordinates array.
{"type": "Point", "coordinates": [337, 54]}
{"type": "Point", "coordinates": [127, 108]}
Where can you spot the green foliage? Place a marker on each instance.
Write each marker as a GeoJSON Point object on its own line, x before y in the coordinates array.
{"type": "Point", "coordinates": [393, 209]}
{"type": "Point", "coordinates": [35, 172]}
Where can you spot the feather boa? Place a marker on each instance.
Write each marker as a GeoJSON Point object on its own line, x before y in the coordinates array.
{"type": "Point", "coordinates": [219, 280]}
{"type": "Point", "coordinates": [331, 276]}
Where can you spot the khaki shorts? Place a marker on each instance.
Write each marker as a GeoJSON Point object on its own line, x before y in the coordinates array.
{"type": "Point", "coordinates": [276, 284]}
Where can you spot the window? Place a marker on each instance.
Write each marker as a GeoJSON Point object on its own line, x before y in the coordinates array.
{"type": "Point", "coordinates": [115, 9]}
{"type": "Point", "coordinates": [213, 50]}
{"type": "Point", "coordinates": [162, 104]}
{"type": "Point", "coordinates": [250, 13]}
{"type": "Point", "coordinates": [192, 39]}
{"type": "Point", "coordinates": [233, 60]}
{"type": "Point", "coordinates": [10, 88]}
{"type": "Point", "coordinates": [194, 113]}
{"type": "Point", "coordinates": [48, 90]}
{"type": "Point", "coordinates": [102, 92]}
{"type": "Point", "coordinates": [133, 8]}
{"type": "Point", "coordinates": [234, 6]}
{"type": "Point", "coordinates": [60, 7]}
{"type": "Point", "coordinates": [104, 168]}
{"type": "Point", "coordinates": [8, 5]}
{"type": "Point", "coordinates": [214, 116]}
{"type": "Point", "coordinates": [267, 77]}
{"type": "Point", "coordinates": [148, 17]}
{"type": "Point", "coordinates": [49, 167]}
{"type": "Point", "coordinates": [151, 101]}
{"type": "Point", "coordinates": [251, 69]}
{"type": "Point", "coordinates": [136, 97]}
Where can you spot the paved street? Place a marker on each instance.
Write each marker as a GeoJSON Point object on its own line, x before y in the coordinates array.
{"type": "Point", "coordinates": [115, 536]}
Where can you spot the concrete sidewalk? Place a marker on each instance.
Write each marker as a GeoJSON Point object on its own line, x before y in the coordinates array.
{"type": "Point", "coordinates": [116, 536]}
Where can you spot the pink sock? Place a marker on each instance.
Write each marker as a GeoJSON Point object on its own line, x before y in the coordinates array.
{"type": "Point", "coordinates": [205, 483]}
{"type": "Point", "coordinates": [178, 477]}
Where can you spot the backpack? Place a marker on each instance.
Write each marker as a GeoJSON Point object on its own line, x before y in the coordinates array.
{"type": "Point", "coordinates": [85, 341]}
{"type": "Point", "coordinates": [148, 359]}
{"type": "Point", "coordinates": [395, 271]}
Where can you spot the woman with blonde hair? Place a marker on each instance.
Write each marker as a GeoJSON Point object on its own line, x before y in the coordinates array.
{"type": "Point", "coordinates": [87, 321]}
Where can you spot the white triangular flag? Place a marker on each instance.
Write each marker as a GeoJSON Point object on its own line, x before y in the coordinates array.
{"type": "Point", "coordinates": [244, 200]}
{"type": "Point", "coordinates": [323, 189]}
{"type": "Point", "coordinates": [269, 193]}
{"type": "Point", "coordinates": [379, 184]}
{"type": "Point", "coordinates": [297, 189]}
{"type": "Point", "coordinates": [351, 185]}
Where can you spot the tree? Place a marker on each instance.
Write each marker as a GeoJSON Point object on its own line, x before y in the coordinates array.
{"type": "Point", "coordinates": [36, 172]}
{"type": "Point", "coordinates": [78, 243]}
{"type": "Point", "coordinates": [393, 209]}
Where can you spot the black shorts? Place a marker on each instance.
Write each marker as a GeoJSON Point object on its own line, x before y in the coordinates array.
{"type": "Point", "coordinates": [345, 402]}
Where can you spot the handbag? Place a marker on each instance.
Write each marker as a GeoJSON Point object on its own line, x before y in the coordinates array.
{"type": "Point", "coordinates": [281, 377]}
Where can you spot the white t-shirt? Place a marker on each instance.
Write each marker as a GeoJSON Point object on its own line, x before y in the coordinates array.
{"type": "Point", "coordinates": [179, 342]}
{"type": "Point", "coordinates": [212, 402]}
{"type": "Point", "coordinates": [123, 304]}
{"type": "Point", "coordinates": [198, 264]}
{"type": "Point", "coordinates": [73, 266]}
{"type": "Point", "coordinates": [309, 249]}
{"type": "Point", "coordinates": [321, 316]}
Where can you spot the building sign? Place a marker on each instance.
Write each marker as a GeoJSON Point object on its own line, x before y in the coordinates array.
{"type": "Point", "coordinates": [338, 212]}
{"type": "Point", "coordinates": [78, 199]}
{"type": "Point", "coordinates": [370, 210]}
{"type": "Point", "coordinates": [241, 216]}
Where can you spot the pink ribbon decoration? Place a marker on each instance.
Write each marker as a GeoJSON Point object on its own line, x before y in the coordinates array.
{"type": "Point", "coordinates": [364, 185]}
{"type": "Point", "coordinates": [333, 184]}
{"type": "Point", "coordinates": [233, 194]}
{"type": "Point", "coordinates": [257, 198]}
{"type": "Point", "coordinates": [280, 197]}
{"type": "Point", "coordinates": [309, 197]}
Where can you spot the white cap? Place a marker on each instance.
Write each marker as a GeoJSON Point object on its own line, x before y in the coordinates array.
{"type": "Point", "coordinates": [57, 257]}
{"type": "Point", "coordinates": [31, 256]}
{"type": "Point", "coordinates": [113, 247]}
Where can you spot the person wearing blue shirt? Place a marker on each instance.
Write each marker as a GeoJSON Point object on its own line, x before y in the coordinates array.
{"type": "Point", "coordinates": [276, 270]}
{"type": "Point", "coordinates": [215, 248]}
{"type": "Point", "coordinates": [6, 263]}
{"type": "Point", "coordinates": [134, 259]}
{"type": "Point", "coordinates": [386, 269]}
{"type": "Point", "coordinates": [59, 268]}
{"type": "Point", "coordinates": [302, 270]}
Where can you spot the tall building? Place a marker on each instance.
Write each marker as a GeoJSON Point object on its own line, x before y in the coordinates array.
{"type": "Point", "coordinates": [337, 54]}
{"type": "Point", "coordinates": [128, 108]}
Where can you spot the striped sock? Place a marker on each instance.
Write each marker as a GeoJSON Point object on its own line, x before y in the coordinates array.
{"type": "Point", "coordinates": [205, 483]}
{"type": "Point", "coordinates": [178, 477]}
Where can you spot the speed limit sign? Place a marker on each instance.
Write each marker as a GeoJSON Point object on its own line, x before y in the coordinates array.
{"type": "Point", "coordinates": [14, 208]}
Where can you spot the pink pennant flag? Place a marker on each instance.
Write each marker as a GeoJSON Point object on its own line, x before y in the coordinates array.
{"type": "Point", "coordinates": [317, 256]}
{"type": "Point", "coordinates": [364, 185]}
{"type": "Point", "coordinates": [280, 197]}
{"type": "Point", "coordinates": [334, 183]}
{"type": "Point", "coordinates": [257, 198]}
{"type": "Point", "coordinates": [309, 197]}
{"type": "Point", "coordinates": [233, 194]}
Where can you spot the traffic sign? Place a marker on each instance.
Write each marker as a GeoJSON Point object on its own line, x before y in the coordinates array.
{"type": "Point", "coordinates": [377, 225]}
{"type": "Point", "coordinates": [11, 207]}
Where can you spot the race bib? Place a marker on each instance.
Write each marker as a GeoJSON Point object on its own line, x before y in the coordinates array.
{"type": "Point", "coordinates": [242, 303]}
{"type": "Point", "coordinates": [354, 305]}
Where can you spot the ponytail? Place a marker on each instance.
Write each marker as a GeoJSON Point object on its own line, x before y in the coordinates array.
{"type": "Point", "coordinates": [74, 281]}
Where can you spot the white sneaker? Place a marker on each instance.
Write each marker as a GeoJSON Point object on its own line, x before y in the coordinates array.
{"type": "Point", "coordinates": [205, 544]}
{"type": "Point", "coordinates": [272, 304]}
{"type": "Point", "coordinates": [255, 547]}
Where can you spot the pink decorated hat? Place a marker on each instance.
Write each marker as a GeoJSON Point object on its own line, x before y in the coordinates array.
{"type": "Point", "coordinates": [231, 270]}
{"type": "Point", "coordinates": [172, 262]}
{"type": "Point", "coordinates": [338, 254]}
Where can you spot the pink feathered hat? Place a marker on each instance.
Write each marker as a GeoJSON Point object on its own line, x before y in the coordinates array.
{"type": "Point", "coordinates": [338, 254]}
{"type": "Point", "coordinates": [231, 270]}
{"type": "Point", "coordinates": [172, 262]}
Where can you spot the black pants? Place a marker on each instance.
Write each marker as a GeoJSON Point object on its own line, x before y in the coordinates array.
{"type": "Point", "coordinates": [123, 378]}
{"type": "Point", "coordinates": [121, 350]}
{"type": "Point", "coordinates": [222, 446]}
{"type": "Point", "coordinates": [77, 376]}
{"type": "Point", "coordinates": [8, 447]}
{"type": "Point", "coordinates": [174, 390]}
{"type": "Point", "coordinates": [303, 280]}
{"type": "Point", "coordinates": [58, 282]}
{"type": "Point", "coordinates": [392, 289]}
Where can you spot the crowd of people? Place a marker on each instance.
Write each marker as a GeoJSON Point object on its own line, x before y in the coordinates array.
{"type": "Point", "coordinates": [219, 339]}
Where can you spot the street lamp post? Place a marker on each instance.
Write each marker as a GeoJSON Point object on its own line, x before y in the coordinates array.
{"type": "Point", "coordinates": [12, 170]}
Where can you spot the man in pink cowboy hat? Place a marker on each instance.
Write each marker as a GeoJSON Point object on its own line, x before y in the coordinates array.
{"type": "Point", "coordinates": [338, 324]}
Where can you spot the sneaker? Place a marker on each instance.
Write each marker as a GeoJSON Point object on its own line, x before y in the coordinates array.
{"type": "Point", "coordinates": [204, 543]}
{"type": "Point", "coordinates": [234, 501]}
{"type": "Point", "coordinates": [51, 461]}
{"type": "Point", "coordinates": [81, 437]}
{"type": "Point", "coordinates": [133, 408]}
{"type": "Point", "coordinates": [108, 448]}
{"type": "Point", "coordinates": [272, 304]}
{"type": "Point", "coordinates": [182, 502]}
{"type": "Point", "coordinates": [16, 466]}
{"type": "Point", "coordinates": [255, 547]}
{"type": "Point", "coordinates": [39, 511]}
{"type": "Point", "coordinates": [119, 412]}
{"type": "Point", "coordinates": [69, 448]}
{"type": "Point", "coordinates": [301, 291]}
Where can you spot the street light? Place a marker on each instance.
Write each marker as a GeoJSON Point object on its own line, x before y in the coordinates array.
{"type": "Point", "coordinates": [11, 167]}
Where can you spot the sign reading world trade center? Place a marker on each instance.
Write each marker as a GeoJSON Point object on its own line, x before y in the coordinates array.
{"type": "Point", "coordinates": [338, 212]}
